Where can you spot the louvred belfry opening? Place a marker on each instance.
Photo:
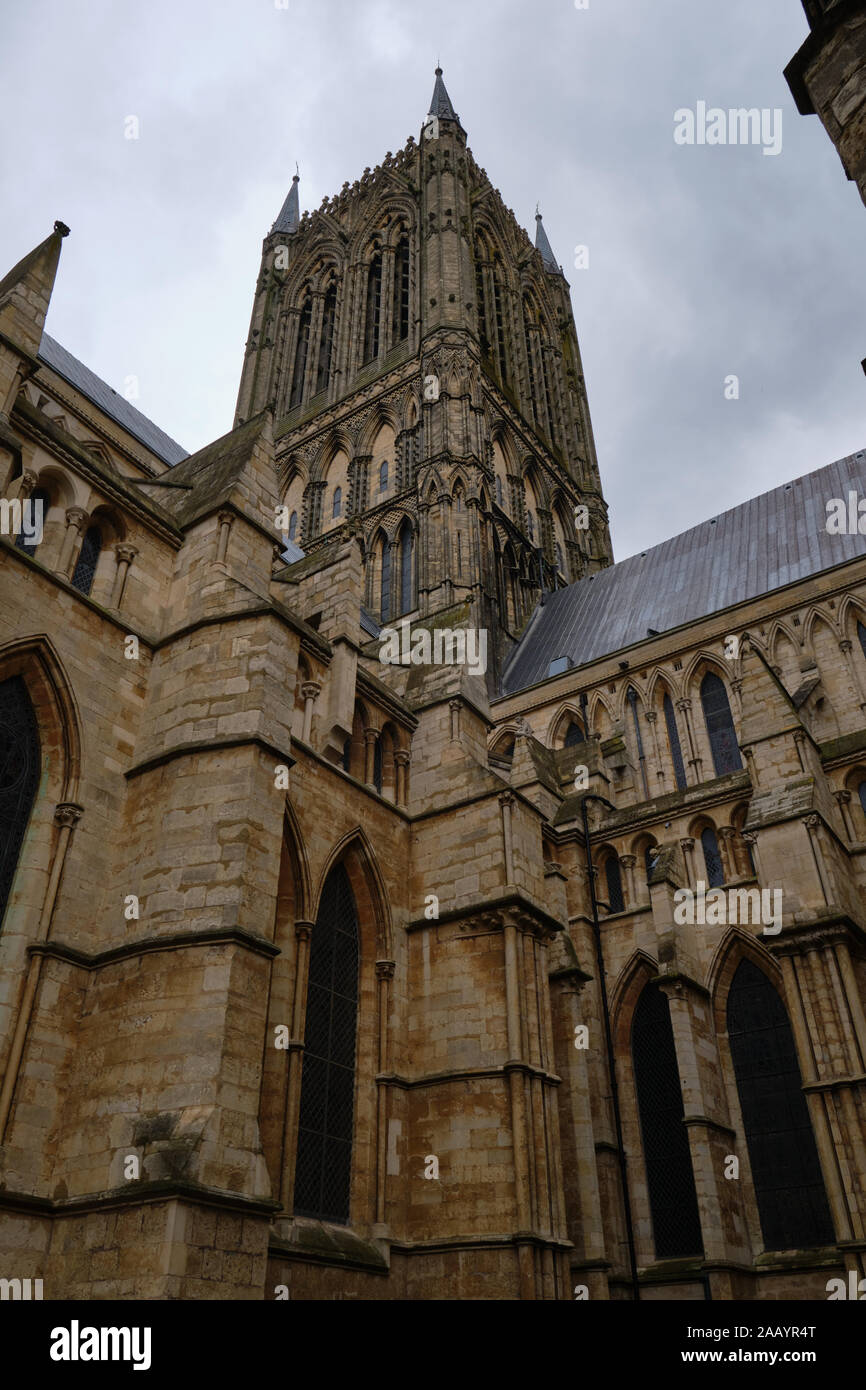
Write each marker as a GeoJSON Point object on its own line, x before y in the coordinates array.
{"type": "Point", "coordinates": [324, 1160]}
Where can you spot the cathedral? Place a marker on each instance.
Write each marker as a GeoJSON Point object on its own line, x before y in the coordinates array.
{"type": "Point", "coordinates": [399, 899]}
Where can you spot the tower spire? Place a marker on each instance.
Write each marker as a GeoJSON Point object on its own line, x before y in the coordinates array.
{"type": "Point", "coordinates": [440, 102]}
{"type": "Point", "coordinates": [290, 212]}
{"type": "Point", "coordinates": [543, 245]}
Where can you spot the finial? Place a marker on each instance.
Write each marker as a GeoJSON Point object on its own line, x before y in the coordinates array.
{"type": "Point", "coordinates": [62, 228]}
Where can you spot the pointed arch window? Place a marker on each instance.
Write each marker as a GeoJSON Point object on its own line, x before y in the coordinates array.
{"type": "Point", "coordinates": [530, 526]}
{"type": "Point", "coordinates": [573, 734]}
{"type": "Point", "coordinates": [293, 526]}
{"type": "Point", "coordinates": [613, 877]}
{"type": "Point", "coordinates": [400, 326]}
{"type": "Point", "coordinates": [532, 382]}
{"type": "Point", "coordinates": [720, 725]}
{"type": "Point", "coordinates": [499, 502]}
{"type": "Point", "coordinates": [88, 558]}
{"type": "Point", "coordinates": [674, 743]}
{"type": "Point", "coordinates": [324, 1156]}
{"type": "Point", "coordinates": [560, 563]}
{"type": "Point", "coordinates": [789, 1186]}
{"type": "Point", "coordinates": [861, 792]}
{"type": "Point", "coordinates": [373, 310]}
{"type": "Point", "coordinates": [861, 637]}
{"type": "Point", "coordinates": [501, 351]}
{"type": "Point", "coordinates": [667, 1158]}
{"type": "Point", "coordinates": [20, 761]}
{"type": "Point", "coordinates": [337, 505]}
{"type": "Point", "coordinates": [383, 476]}
{"type": "Point", "coordinates": [301, 353]}
{"type": "Point", "coordinates": [481, 297]}
{"type": "Point", "coordinates": [386, 580]}
{"type": "Point", "coordinates": [549, 396]}
{"type": "Point", "coordinates": [24, 540]}
{"type": "Point", "coordinates": [712, 858]}
{"type": "Point", "coordinates": [326, 339]}
{"type": "Point", "coordinates": [407, 588]}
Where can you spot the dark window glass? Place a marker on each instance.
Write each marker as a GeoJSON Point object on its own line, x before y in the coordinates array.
{"type": "Point", "coordinates": [789, 1187]}
{"type": "Point", "coordinates": [386, 580]}
{"type": "Point", "coordinates": [530, 362]}
{"type": "Point", "coordinates": [674, 742]}
{"type": "Point", "coordinates": [501, 352]}
{"type": "Point", "coordinates": [383, 477]}
{"type": "Point", "coordinates": [560, 563]}
{"type": "Point", "coordinates": [338, 502]}
{"type": "Point", "coordinates": [374, 305]}
{"type": "Point", "coordinates": [38, 496]}
{"type": "Point", "coordinates": [613, 875]}
{"type": "Point", "coordinates": [407, 544]}
{"type": "Point", "coordinates": [574, 735]}
{"type": "Point", "coordinates": [668, 1162]}
{"type": "Point", "coordinates": [88, 558]}
{"type": "Point", "coordinates": [324, 1157]}
{"type": "Point", "coordinates": [293, 526]}
{"type": "Point", "coordinates": [19, 776]}
{"type": "Point", "coordinates": [861, 792]}
{"type": "Point", "coordinates": [377, 765]}
{"type": "Point", "coordinates": [548, 395]}
{"type": "Point", "coordinates": [400, 327]}
{"type": "Point", "coordinates": [347, 754]}
{"type": "Point", "coordinates": [530, 526]}
{"type": "Point", "coordinates": [301, 351]}
{"type": "Point", "coordinates": [326, 340]}
{"type": "Point", "coordinates": [712, 858]}
{"type": "Point", "coordinates": [481, 300]}
{"type": "Point", "coordinates": [861, 634]}
{"type": "Point", "coordinates": [720, 725]}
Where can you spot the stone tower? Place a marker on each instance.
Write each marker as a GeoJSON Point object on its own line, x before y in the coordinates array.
{"type": "Point", "coordinates": [827, 76]}
{"type": "Point", "coordinates": [421, 360]}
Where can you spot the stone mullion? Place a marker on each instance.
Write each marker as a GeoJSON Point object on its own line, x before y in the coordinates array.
{"type": "Point", "coordinates": [384, 975]}
{"type": "Point", "coordinates": [386, 302]}
{"type": "Point", "coordinates": [355, 346]}
{"type": "Point", "coordinates": [303, 931]}
{"type": "Point", "coordinates": [445, 538]}
{"type": "Point", "coordinates": [695, 760]}
{"type": "Point", "coordinates": [726, 836]}
{"type": "Point", "coordinates": [652, 719]}
{"type": "Point", "coordinates": [76, 522]}
{"type": "Point", "coordinates": [855, 669]}
{"type": "Point", "coordinates": [360, 470]}
{"type": "Point", "coordinates": [125, 555]}
{"type": "Point", "coordinates": [311, 367]}
{"type": "Point", "coordinates": [293, 316]}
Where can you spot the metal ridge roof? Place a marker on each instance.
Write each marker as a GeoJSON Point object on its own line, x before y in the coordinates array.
{"type": "Point", "coordinates": [107, 399]}
{"type": "Point", "coordinates": [761, 545]}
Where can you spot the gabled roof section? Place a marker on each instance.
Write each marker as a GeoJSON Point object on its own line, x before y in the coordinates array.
{"type": "Point", "coordinates": [25, 292]}
{"type": "Point", "coordinates": [117, 407]}
{"type": "Point", "coordinates": [230, 466]}
{"type": "Point", "coordinates": [440, 102]}
{"type": "Point", "coordinates": [762, 545]}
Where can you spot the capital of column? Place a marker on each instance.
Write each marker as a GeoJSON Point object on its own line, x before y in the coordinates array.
{"type": "Point", "coordinates": [310, 690]}
{"type": "Point", "coordinates": [688, 843]}
{"type": "Point", "coordinates": [843, 797]}
{"type": "Point", "coordinates": [125, 554]}
{"type": "Point", "coordinates": [507, 798]}
{"type": "Point", "coordinates": [650, 716]}
{"type": "Point", "coordinates": [845, 644]}
{"type": "Point", "coordinates": [225, 517]}
{"type": "Point", "coordinates": [385, 969]}
{"type": "Point", "coordinates": [303, 930]}
{"type": "Point", "coordinates": [726, 832]}
{"type": "Point", "coordinates": [812, 822]}
{"type": "Point", "coordinates": [27, 483]}
{"type": "Point", "coordinates": [401, 757]}
{"type": "Point", "coordinates": [370, 736]}
{"type": "Point", "coordinates": [68, 813]}
{"type": "Point", "coordinates": [750, 837]}
{"type": "Point", "coordinates": [77, 517]}
{"type": "Point", "coordinates": [799, 735]}
{"type": "Point", "coordinates": [684, 704]}
{"type": "Point", "coordinates": [628, 861]}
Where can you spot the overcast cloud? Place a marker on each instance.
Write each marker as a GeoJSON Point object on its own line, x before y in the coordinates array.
{"type": "Point", "coordinates": [704, 261]}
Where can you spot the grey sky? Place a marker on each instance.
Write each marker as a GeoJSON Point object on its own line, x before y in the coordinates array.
{"type": "Point", "coordinates": [704, 261]}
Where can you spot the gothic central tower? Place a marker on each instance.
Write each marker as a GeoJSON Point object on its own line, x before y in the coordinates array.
{"type": "Point", "coordinates": [421, 360]}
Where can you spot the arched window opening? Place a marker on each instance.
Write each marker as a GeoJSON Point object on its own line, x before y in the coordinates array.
{"type": "Point", "coordinates": [326, 340]}
{"type": "Point", "coordinates": [549, 397]}
{"type": "Point", "coordinates": [674, 743]}
{"type": "Point", "coordinates": [324, 1155]}
{"type": "Point", "coordinates": [502, 756]}
{"type": "Point", "coordinates": [400, 326]}
{"type": "Point", "coordinates": [386, 581]}
{"type": "Point", "coordinates": [861, 637]}
{"type": "Point", "coordinates": [26, 540]}
{"type": "Point", "coordinates": [407, 588]}
{"type": "Point", "coordinates": [712, 858]}
{"type": "Point", "coordinates": [301, 352]}
{"type": "Point", "coordinates": [720, 725]}
{"type": "Point", "coordinates": [613, 876]}
{"type": "Point", "coordinates": [88, 558]}
{"type": "Point", "coordinates": [374, 306]}
{"type": "Point", "coordinates": [861, 792]}
{"type": "Point", "coordinates": [530, 526]}
{"type": "Point", "coordinates": [649, 859]}
{"type": "Point", "coordinates": [481, 299]}
{"type": "Point", "coordinates": [502, 355]}
{"type": "Point", "coordinates": [377, 765]}
{"type": "Point", "coordinates": [337, 508]}
{"type": "Point", "coordinates": [20, 761]}
{"type": "Point", "coordinates": [460, 555]}
{"type": "Point", "coordinates": [293, 526]}
{"type": "Point", "coordinates": [667, 1159]}
{"type": "Point", "coordinates": [789, 1187]}
{"type": "Point", "coordinates": [632, 701]}
{"type": "Point", "coordinates": [560, 563]}
{"type": "Point", "coordinates": [383, 476]}
{"type": "Point", "coordinates": [499, 496]}
{"type": "Point", "coordinates": [530, 361]}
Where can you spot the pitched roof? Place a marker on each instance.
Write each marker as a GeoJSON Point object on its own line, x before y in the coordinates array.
{"type": "Point", "coordinates": [765, 543]}
{"type": "Point", "coordinates": [440, 102]}
{"type": "Point", "coordinates": [107, 399]}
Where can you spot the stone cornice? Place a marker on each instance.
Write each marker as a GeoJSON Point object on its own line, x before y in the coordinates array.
{"type": "Point", "coordinates": [128, 950]}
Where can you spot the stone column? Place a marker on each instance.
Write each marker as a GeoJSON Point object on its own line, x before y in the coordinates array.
{"type": "Point", "coordinates": [844, 799]}
{"type": "Point", "coordinates": [27, 482]}
{"type": "Point", "coordinates": [125, 556]}
{"type": "Point", "coordinates": [225, 519]}
{"type": "Point", "coordinates": [454, 706]}
{"type": "Point", "coordinates": [751, 840]}
{"type": "Point", "coordinates": [855, 669]}
{"type": "Point", "coordinates": [727, 836]}
{"type": "Point", "coordinates": [688, 846]}
{"type": "Point", "coordinates": [506, 801]}
{"type": "Point", "coordinates": [401, 763]}
{"type": "Point", "coordinates": [384, 975]}
{"type": "Point", "coordinates": [370, 736]}
{"type": "Point", "coordinates": [310, 691]}
{"type": "Point", "coordinates": [76, 521]}
{"type": "Point", "coordinates": [652, 719]}
{"type": "Point", "coordinates": [628, 862]}
{"type": "Point", "coordinates": [685, 708]}
{"type": "Point", "coordinates": [303, 931]}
